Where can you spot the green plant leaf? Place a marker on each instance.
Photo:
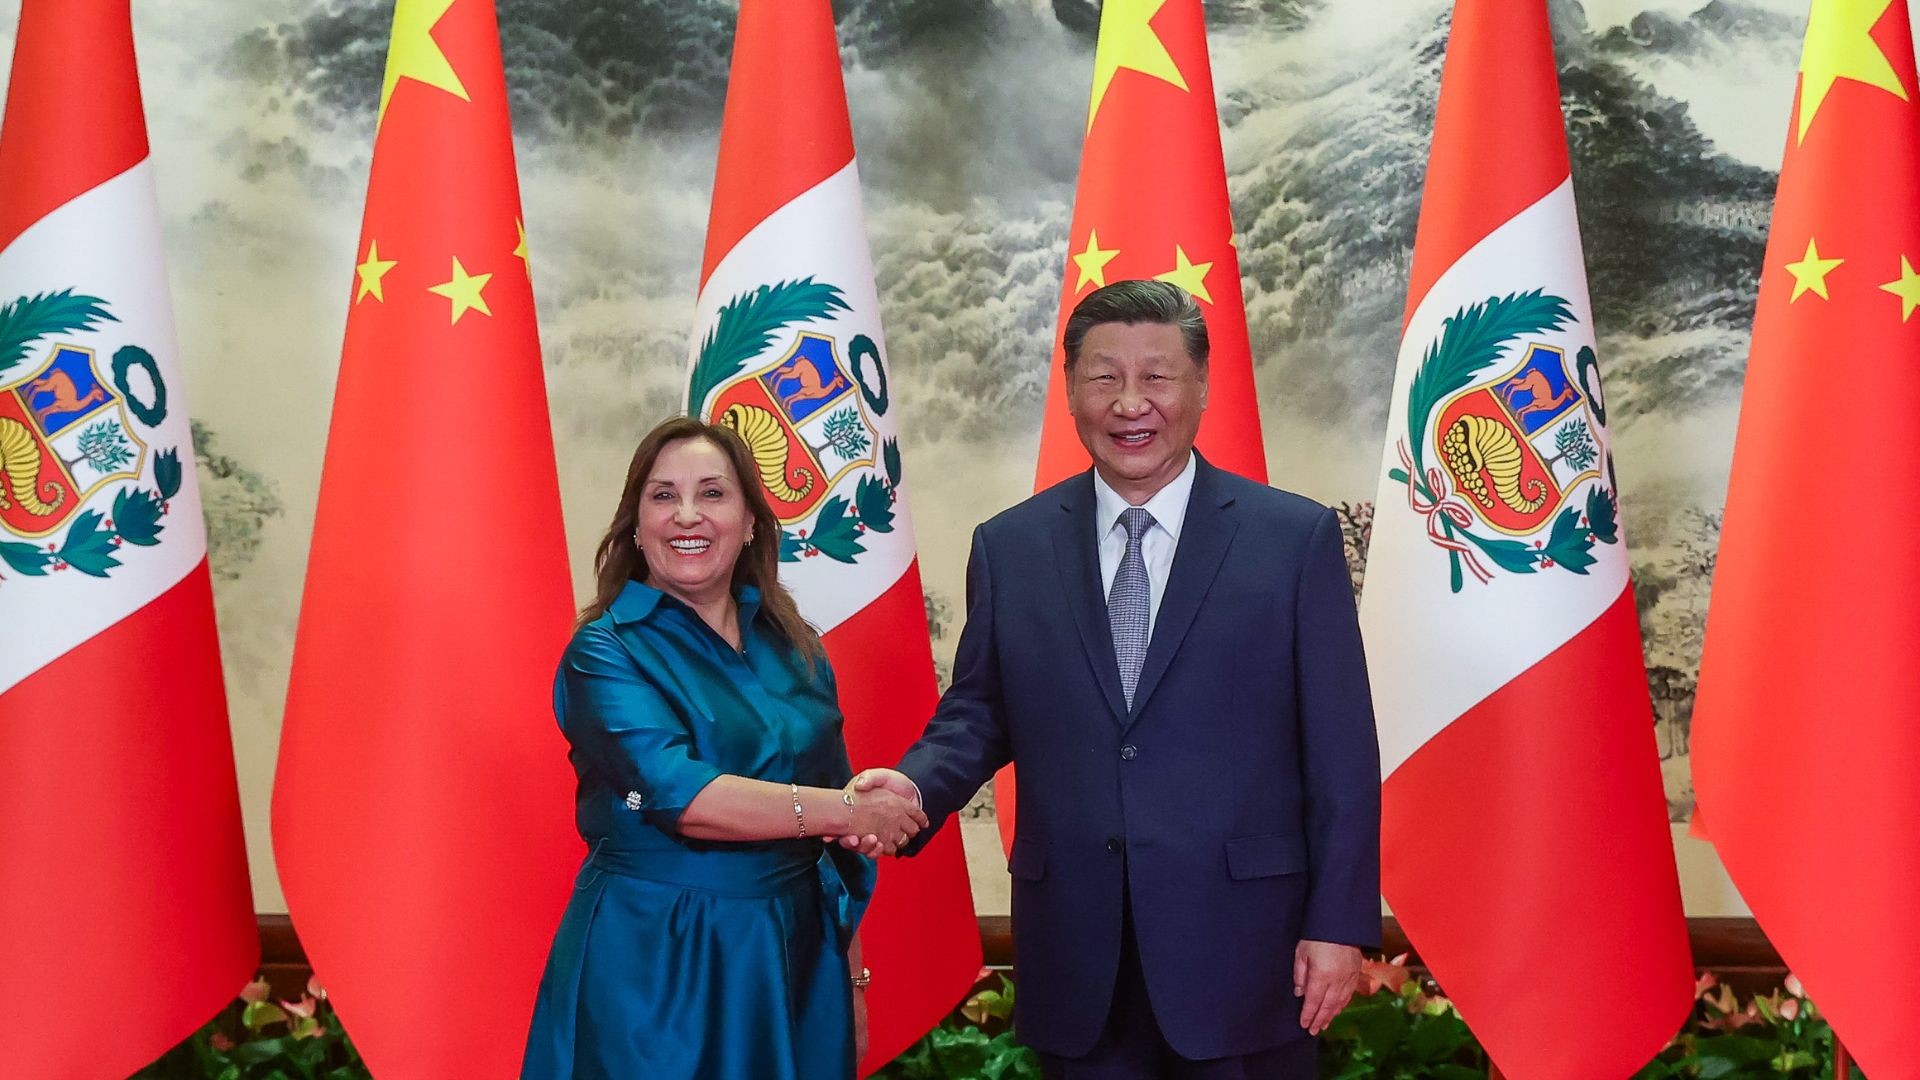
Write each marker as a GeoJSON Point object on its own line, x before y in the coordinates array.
{"type": "Point", "coordinates": [1790, 1060]}
{"type": "Point", "coordinates": [890, 460]}
{"type": "Point", "coordinates": [834, 534]}
{"type": "Point", "coordinates": [1471, 339]}
{"type": "Point", "coordinates": [136, 514]}
{"type": "Point", "coordinates": [745, 326]}
{"type": "Point", "coordinates": [1603, 515]}
{"type": "Point", "coordinates": [1436, 1039]}
{"type": "Point", "coordinates": [166, 473]}
{"type": "Point", "coordinates": [875, 503]}
{"type": "Point", "coordinates": [1510, 555]}
{"type": "Point", "coordinates": [260, 1051]}
{"type": "Point", "coordinates": [1383, 1029]}
{"type": "Point", "coordinates": [25, 558]}
{"type": "Point", "coordinates": [31, 318]}
{"type": "Point", "coordinates": [87, 549]}
{"type": "Point", "coordinates": [791, 546]}
{"type": "Point", "coordinates": [960, 1051]}
{"type": "Point", "coordinates": [1737, 1049]}
{"type": "Point", "coordinates": [1568, 543]}
{"type": "Point", "coordinates": [259, 1014]}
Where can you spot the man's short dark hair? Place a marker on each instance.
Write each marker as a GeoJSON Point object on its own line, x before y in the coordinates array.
{"type": "Point", "coordinates": [1132, 302]}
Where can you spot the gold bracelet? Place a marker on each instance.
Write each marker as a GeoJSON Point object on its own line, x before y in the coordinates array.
{"type": "Point", "coordinates": [799, 816]}
{"type": "Point", "coordinates": [861, 980]}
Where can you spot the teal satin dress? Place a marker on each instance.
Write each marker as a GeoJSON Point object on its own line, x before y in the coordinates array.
{"type": "Point", "coordinates": [681, 959]}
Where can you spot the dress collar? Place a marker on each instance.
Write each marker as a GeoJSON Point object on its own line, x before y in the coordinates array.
{"type": "Point", "coordinates": [1168, 505]}
{"type": "Point", "coordinates": [637, 601]}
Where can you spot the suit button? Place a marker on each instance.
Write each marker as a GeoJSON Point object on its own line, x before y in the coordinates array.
{"type": "Point", "coordinates": [1114, 845]}
{"type": "Point", "coordinates": [1128, 753]}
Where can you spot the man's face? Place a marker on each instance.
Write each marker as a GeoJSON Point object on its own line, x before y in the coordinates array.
{"type": "Point", "coordinates": [1136, 398]}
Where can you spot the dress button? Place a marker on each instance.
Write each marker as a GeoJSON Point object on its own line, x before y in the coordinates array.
{"type": "Point", "coordinates": [1128, 753]}
{"type": "Point", "coordinates": [1114, 845]}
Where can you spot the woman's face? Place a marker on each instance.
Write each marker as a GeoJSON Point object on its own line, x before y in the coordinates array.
{"type": "Point", "coordinates": [693, 521]}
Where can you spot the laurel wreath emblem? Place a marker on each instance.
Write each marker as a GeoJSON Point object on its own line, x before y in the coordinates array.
{"type": "Point", "coordinates": [1470, 341]}
{"type": "Point", "coordinates": [742, 330]}
{"type": "Point", "coordinates": [93, 540]}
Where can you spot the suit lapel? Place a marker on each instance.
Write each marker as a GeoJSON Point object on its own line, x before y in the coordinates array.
{"type": "Point", "coordinates": [1076, 552]}
{"type": "Point", "coordinates": [1204, 537]}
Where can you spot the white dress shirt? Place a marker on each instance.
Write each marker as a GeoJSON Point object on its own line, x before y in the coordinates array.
{"type": "Point", "coordinates": [1169, 509]}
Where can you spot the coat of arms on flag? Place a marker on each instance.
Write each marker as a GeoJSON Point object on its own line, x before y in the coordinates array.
{"type": "Point", "coordinates": [70, 428]}
{"type": "Point", "coordinates": [1512, 446]}
{"type": "Point", "coordinates": [810, 414]}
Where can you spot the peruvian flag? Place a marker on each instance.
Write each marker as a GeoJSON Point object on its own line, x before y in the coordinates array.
{"type": "Point", "coordinates": [1523, 819]}
{"type": "Point", "coordinates": [788, 351]}
{"type": "Point", "coordinates": [1806, 729]}
{"type": "Point", "coordinates": [422, 811]}
{"type": "Point", "coordinates": [121, 858]}
{"type": "Point", "coordinates": [1162, 215]}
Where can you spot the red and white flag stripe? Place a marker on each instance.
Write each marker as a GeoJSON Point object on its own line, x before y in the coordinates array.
{"type": "Point", "coordinates": [787, 217]}
{"type": "Point", "coordinates": [1523, 822]}
{"type": "Point", "coordinates": [121, 859]}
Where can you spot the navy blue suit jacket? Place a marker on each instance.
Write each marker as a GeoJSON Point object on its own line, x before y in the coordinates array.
{"type": "Point", "coordinates": [1237, 802]}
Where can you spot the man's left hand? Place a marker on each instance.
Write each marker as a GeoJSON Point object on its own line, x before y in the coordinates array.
{"type": "Point", "coordinates": [1326, 975]}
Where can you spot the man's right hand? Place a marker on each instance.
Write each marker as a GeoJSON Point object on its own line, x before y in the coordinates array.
{"type": "Point", "coordinates": [891, 782]}
{"type": "Point", "coordinates": [889, 779]}
{"type": "Point", "coordinates": [883, 822]}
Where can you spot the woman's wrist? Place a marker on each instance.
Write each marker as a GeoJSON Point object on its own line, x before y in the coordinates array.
{"type": "Point", "coordinates": [826, 812]}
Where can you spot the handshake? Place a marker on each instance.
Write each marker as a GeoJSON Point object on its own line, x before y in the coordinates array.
{"type": "Point", "coordinates": [886, 813]}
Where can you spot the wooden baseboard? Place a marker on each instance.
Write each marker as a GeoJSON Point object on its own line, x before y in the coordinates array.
{"type": "Point", "coordinates": [1733, 949]}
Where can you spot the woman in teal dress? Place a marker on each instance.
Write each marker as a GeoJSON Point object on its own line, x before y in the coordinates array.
{"type": "Point", "coordinates": [710, 935]}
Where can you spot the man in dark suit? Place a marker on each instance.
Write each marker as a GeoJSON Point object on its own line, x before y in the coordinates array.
{"type": "Point", "coordinates": [1171, 655]}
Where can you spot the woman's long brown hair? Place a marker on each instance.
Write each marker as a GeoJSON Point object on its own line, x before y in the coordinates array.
{"type": "Point", "coordinates": [618, 559]}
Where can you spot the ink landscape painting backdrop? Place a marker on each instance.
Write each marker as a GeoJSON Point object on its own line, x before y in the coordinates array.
{"type": "Point", "coordinates": [968, 115]}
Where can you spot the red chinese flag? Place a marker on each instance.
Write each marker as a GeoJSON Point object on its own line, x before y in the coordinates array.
{"type": "Point", "coordinates": [787, 286]}
{"type": "Point", "coordinates": [123, 874]}
{"type": "Point", "coordinates": [1152, 203]}
{"type": "Point", "coordinates": [1805, 730]}
{"type": "Point", "coordinates": [422, 810]}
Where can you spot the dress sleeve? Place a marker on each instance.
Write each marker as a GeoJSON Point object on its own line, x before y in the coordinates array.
{"type": "Point", "coordinates": [625, 729]}
{"type": "Point", "coordinates": [846, 877]}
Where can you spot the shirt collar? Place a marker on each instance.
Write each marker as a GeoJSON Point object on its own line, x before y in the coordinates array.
{"type": "Point", "coordinates": [1168, 505]}
{"type": "Point", "coordinates": [636, 601]}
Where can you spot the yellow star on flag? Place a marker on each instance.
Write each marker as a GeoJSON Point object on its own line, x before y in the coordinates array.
{"type": "Point", "coordinates": [1127, 40]}
{"type": "Point", "coordinates": [1093, 261]}
{"type": "Point", "coordinates": [1906, 287]}
{"type": "Point", "coordinates": [415, 55]}
{"type": "Point", "coordinates": [371, 272]}
{"type": "Point", "coordinates": [1840, 45]}
{"type": "Point", "coordinates": [1811, 273]}
{"type": "Point", "coordinates": [521, 251]}
{"type": "Point", "coordinates": [464, 290]}
{"type": "Point", "coordinates": [1189, 275]}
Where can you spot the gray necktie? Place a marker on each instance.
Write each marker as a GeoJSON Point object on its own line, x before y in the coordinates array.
{"type": "Point", "coordinates": [1128, 602]}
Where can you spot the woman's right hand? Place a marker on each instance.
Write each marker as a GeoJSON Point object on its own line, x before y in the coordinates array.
{"type": "Point", "coordinates": [883, 816]}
